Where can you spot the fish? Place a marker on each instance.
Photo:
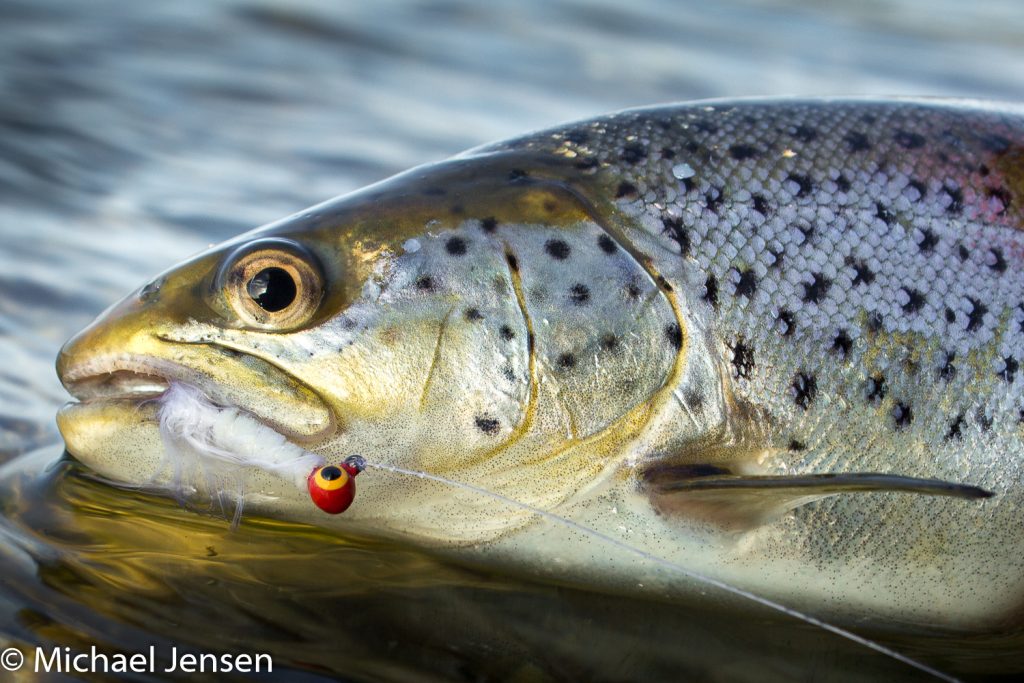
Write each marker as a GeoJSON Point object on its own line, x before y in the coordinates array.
{"type": "Point", "coordinates": [777, 342]}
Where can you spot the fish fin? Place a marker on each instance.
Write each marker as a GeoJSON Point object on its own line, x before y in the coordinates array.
{"type": "Point", "coordinates": [738, 502]}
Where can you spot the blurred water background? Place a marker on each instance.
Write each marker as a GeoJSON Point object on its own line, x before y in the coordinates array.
{"type": "Point", "coordinates": [135, 134]}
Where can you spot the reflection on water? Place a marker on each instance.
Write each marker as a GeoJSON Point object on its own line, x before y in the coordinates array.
{"type": "Point", "coordinates": [132, 135]}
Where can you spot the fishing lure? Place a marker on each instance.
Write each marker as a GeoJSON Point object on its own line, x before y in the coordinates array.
{"type": "Point", "coordinates": [332, 488]}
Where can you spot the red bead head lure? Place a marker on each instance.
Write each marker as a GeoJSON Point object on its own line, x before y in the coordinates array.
{"type": "Point", "coordinates": [333, 487]}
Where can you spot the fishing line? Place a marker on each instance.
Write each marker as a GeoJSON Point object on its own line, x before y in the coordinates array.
{"type": "Point", "coordinates": [696, 576]}
{"type": "Point", "coordinates": [219, 440]}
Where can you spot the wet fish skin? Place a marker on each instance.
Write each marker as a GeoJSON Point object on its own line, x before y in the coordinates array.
{"type": "Point", "coordinates": [761, 287]}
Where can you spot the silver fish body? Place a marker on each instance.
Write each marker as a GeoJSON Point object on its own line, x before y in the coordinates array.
{"type": "Point", "coordinates": [592, 318]}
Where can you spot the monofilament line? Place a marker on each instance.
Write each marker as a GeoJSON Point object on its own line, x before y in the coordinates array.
{"type": "Point", "coordinates": [696, 576]}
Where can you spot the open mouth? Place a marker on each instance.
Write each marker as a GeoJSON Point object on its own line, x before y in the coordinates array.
{"type": "Point", "coordinates": [123, 378]}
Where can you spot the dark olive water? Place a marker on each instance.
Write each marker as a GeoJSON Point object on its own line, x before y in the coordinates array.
{"type": "Point", "coordinates": [134, 134]}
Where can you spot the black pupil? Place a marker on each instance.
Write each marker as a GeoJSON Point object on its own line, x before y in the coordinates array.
{"type": "Point", "coordinates": [330, 473]}
{"type": "Point", "coordinates": [273, 289]}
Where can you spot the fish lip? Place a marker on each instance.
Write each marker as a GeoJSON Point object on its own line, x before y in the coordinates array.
{"type": "Point", "coordinates": [135, 379]}
{"type": "Point", "coordinates": [125, 376]}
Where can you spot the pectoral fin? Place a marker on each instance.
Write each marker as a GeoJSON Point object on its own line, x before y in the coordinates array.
{"type": "Point", "coordinates": [738, 502]}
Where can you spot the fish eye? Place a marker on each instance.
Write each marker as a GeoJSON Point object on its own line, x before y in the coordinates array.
{"type": "Point", "coordinates": [271, 284]}
{"type": "Point", "coordinates": [273, 289]}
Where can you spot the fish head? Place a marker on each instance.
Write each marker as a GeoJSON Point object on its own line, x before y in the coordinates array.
{"type": "Point", "coordinates": [393, 324]}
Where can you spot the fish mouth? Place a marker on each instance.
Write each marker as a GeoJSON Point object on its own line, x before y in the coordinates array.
{"type": "Point", "coordinates": [126, 378]}
{"type": "Point", "coordinates": [120, 379]}
{"type": "Point", "coordinates": [132, 381]}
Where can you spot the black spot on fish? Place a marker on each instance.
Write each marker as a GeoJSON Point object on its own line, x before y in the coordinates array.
{"type": "Point", "coordinates": [805, 133]}
{"type": "Point", "coordinates": [517, 174]}
{"type": "Point", "coordinates": [486, 424]}
{"type": "Point", "coordinates": [677, 233]}
{"type": "Point", "coordinates": [607, 244]}
{"type": "Point", "coordinates": [632, 291]}
{"type": "Point", "coordinates": [711, 291]}
{"type": "Point", "coordinates": [956, 199]}
{"type": "Point", "coordinates": [760, 204]}
{"type": "Point", "coordinates": [928, 242]}
{"type": "Point", "coordinates": [513, 262]}
{"type": "Point", "coordinates": [948, 370]}
{"type": "Point", "coordinates": [955, 428]}
{"type": "Point", "coordinates": [874, 322]}
{"type": "Point", "coordinates": [473, 314]}
{"type": "Point", "coordinates": [884, 213]}
{"type": "Point", "coordinates": [747, 284]}
{"type": "Point", "coordinates": [815, 292]}
{"type": "Point", "coordinates": [977, 314]}
{"type": "Point", "coordinates": [609, 342]}
{"type": "Point", "coordinates": [567, 361]}
{"type": "Point", "coordinates": [529, 342]}
{"type": "Point", "coordinates": [1010, 371]}
{"type": "Point", "coordinates": [796, 446]}
{"type": "Point", "coordinates": [786, 318]}
{"type": "Point", "coordinates": [857, 142]}
{"type": "Point", "coordinates": [456, 246]}
{"type": "Point", "coordinates": [999, 263]}
{"type": "Point", "coordinates": [508, 373]}
{"type": "Point", "coordinates": [843, 183]}
{"type": "Point", "coordinates": [962, 252]}
{"type": "Point", "coordinates": [506, 333]}
{"type": "Point", "coordinates": [803, 184]}
{"type": "Point", "coordinates": [668, 153]}
{"type": "Point", "coordinates": [742, 359]}
{"type": "Point", "coordinates": [577, 137]}
{"type": "Point", "coordinates": [778, 256]}
{"type": "Point", "coordinates": [742, 151]}
{"type": "Point", "coordinates": [842, 343]}
{"type": "Point", "coordinates": [674, 335]}
{"type": "Point", "coordinates": [557, 249]}
{"type": "Point", "coordinates": [579, 294]}
{"type": "Point", "coordinates": [983, 170]}
{"type": "Point", "coordinates": [713, 199]}
{"type": "Point", "coordinates": [984, 421]}
{"type": "Point", "coordinates": [1003, 195]}
{"type": "Point", "coordinates": [489, 224]}
{"type": "Point", "coordinates": [425, 283]}
{"type": "Point", "coordinates": [902, 414]}
{"type": "Point", "coordinates": [663, 283]}
{"type": "Point", "coordinates": [626, 191]}
{"type": "Point", "coordinates": [804, 389]}
{"type": "Point", "coordinates": [950, 315]}
{"type": "Point", "coordinates": [633, 153]}
{"type": "Point", "coordinates": [920, 187]}
{"type": "Point", "coordinates": [994, 142]}
{"type": "Point", "coordinates": [909, 140]}
{"type": "Point", "coordinates": [587, 163]}
{"type": "Point", "coordinates": [915, 300]}
{"type": "Point", "coordinates": [876, 388]}
{"type": "Point", "coordinates": [862, 274]}
{"type": "Point", "coordinates": [694, 399]}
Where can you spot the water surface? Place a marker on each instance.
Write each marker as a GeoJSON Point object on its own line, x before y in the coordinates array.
{"type": "Point", "coordinates": [133, 135]}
